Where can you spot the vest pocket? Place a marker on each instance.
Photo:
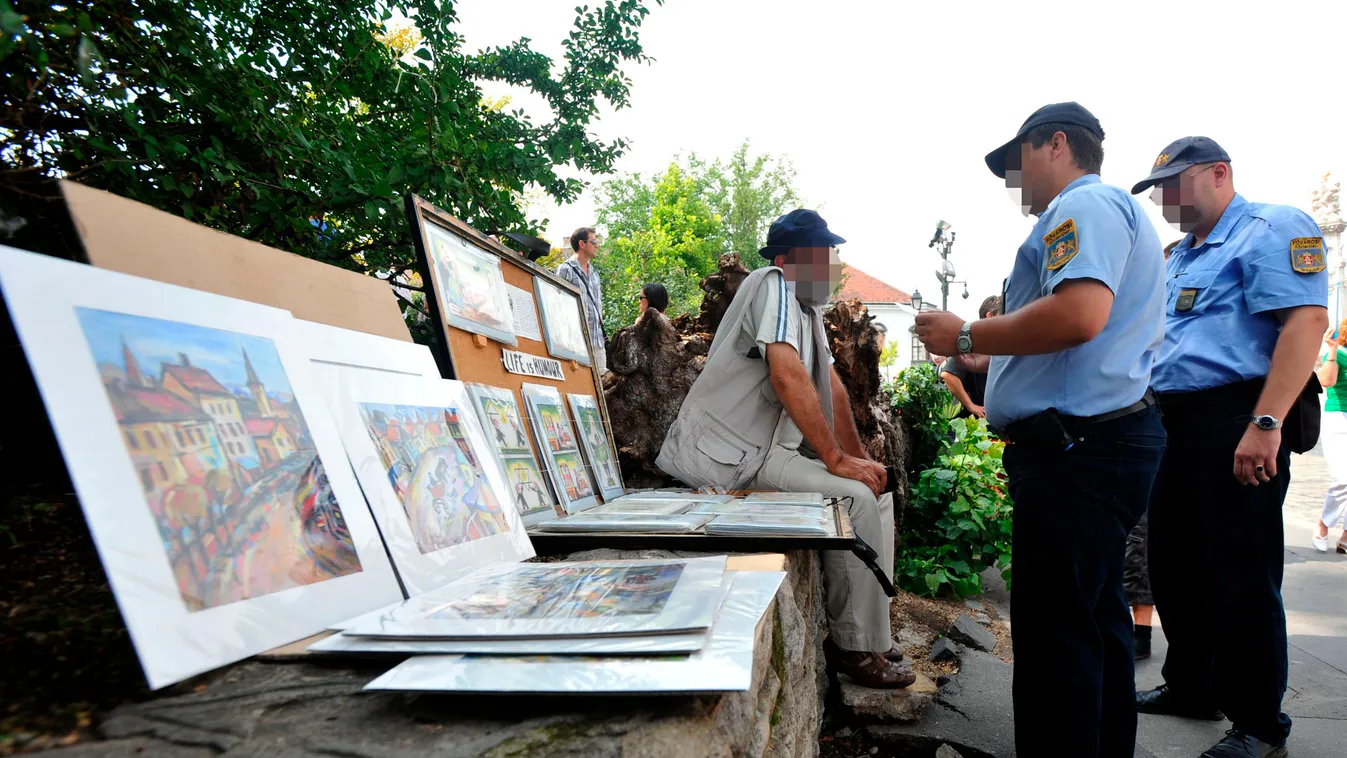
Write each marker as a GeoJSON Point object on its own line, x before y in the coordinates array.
{"type": "Point", "coordinates": [721, 454]}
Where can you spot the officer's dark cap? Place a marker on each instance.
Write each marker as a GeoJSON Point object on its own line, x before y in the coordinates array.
{"type": "Point", "coordinates": [1180, 155]}
{"type": "Point", "coordinates": [799, 228]}
{"type": "Point", "coordinates": [1058, 113]}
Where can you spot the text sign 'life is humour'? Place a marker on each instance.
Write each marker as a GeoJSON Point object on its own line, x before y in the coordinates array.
{"type": "Point", "coordinates": [531, 365]}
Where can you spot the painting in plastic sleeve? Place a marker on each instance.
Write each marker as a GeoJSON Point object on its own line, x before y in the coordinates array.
{"type": "Point", "coordinates": [805, 499]}
{"type": "Point", "coordinates": [741, 508]}
{"type": "Point", "coordinates": [563, 331]}
{"type": "Point", "coordinates": [724, 665]}
{"type": "Point", "coordinates": [598, 449]}
{"type": "Point", "coordinates": [471, 288]}
{"type": "Point", "coordinates": [559, 447]}
{"type": "Point", "coordinates": [649, 644]}
{"type": "Point", "coordinates": [655, 506]}
{"type": "Point", "coordinates": [498, 410]}
{"type": "Point", "coordinates": [207, 466]}
{"type": "Point", "coordinates": [435, 486]}
{"type": "Point", "coordinates": [779, 525]}
{"type": "Point", "coordinates": [567, 599]}
{"type": "Point", "coordinates": [639, 523]}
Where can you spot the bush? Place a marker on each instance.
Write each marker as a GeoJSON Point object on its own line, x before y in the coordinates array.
{"type": "Point", "coordinates": [958, 521]}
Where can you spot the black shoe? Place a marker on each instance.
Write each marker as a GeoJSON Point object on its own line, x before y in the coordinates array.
{"type": "Point", "coordinates": [1239, 745]}
{"type": "Point", "coordinates": [1141, 642]}
{"type": "Point", "coordinates": [1161, 702]}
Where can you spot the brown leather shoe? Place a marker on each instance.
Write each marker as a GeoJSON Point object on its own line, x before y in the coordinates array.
{"type": "Point", "coordinates": [867, 669]}
{"type": "Point", "coordinates": [894, 655]}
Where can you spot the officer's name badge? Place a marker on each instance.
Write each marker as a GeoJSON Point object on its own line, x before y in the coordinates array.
{"type": "Point", "coordinates": [1185, 301]}
{"type": "Point", "coordinates": [1060, 245]}
{"type": "Point", "coordinates": [1307, 255]}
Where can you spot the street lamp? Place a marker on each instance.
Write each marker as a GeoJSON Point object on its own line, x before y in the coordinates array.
{"type": "Point", "coordinates": [916, 300]}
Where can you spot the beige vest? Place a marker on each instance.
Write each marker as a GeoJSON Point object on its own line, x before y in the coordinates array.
{"type": "Point", "coordinates": [730, 416]}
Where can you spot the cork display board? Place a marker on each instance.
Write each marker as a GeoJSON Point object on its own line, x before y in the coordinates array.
{"type": "Point", "coordinates": [475, 357]}
{"type": "Point", "coordinates": [123, 235]}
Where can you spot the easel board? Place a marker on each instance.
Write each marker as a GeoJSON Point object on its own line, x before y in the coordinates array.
{"type": "Point", "coordinates": [475, 358]}
{"type": "Point", "coordinates": [133, 238]}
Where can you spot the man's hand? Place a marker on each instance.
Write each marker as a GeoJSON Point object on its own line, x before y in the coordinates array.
{"type": "Point", "coordinates": [1258, 448]}
{"type": "Point", "coordinates": [977, 410]}
{"type": "Point", "coordinates": [938, 331]}
{"type": "Point", "coordinates": [861, 470]}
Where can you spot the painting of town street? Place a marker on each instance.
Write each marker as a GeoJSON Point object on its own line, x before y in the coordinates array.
{"type": "Point", "coordinates": [435, 473]}
{"type": "Point", "coordinates": [223, 455]}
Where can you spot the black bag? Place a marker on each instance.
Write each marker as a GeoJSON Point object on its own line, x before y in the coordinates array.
{"type": "Point", "coordinates": [1301, 430]}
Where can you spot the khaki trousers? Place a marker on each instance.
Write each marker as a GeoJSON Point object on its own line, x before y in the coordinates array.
{"type": "Point", "coordinates": [858, 609]}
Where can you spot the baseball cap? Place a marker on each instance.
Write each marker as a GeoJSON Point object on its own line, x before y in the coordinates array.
{"type": "Point", "coordinates": [799, 228]}
{"type": "Point", "coordinates": [1180, 155]}
{"type": "Point", "coordinates": [1056, 113]}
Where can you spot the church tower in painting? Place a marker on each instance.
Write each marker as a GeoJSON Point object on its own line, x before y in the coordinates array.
{"type": "Point", "coordinates": [133, 373]}
{"type": "Point", "coordinates": [258, 391]}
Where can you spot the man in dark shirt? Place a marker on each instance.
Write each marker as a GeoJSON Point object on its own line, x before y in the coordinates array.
{"type": "Point", "coordinates": [966, 375]}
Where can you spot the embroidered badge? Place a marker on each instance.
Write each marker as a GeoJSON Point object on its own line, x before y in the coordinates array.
{"type": "Point", "coordinates": [1060, 245]}
{"type": "Point", "coordinates": [1185, 301]}
{"type": "Point", "coordinates": [1162, 160]}
{"type": "Point", "coordinates": [1307, 255]}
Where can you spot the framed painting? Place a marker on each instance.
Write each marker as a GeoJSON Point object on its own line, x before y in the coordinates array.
{"type": "Point", "coordinates": [724, 665]}
{"type": "Point", "coordinates": [565, 599]}
{"type": "Point", "coordinates": [469, 285]}
{"type": "Point", "coordinates": [503, 422]}
{"type": "Point", "coordinates": [563, 327]}
{"type": "Point", "coordinates": [207, 466]}
{"type": "Point", "coordinates": [433, 482]}
{"type": "Point", "coordinates": [599, 451]}
{"type": "Point", "coordinates": [560, 450]}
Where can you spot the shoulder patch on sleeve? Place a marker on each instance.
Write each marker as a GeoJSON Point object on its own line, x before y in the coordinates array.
{"type": "Point", "coordinates": [1307, 255]}
{"type": "Point", "coordinates": [1060, 245]}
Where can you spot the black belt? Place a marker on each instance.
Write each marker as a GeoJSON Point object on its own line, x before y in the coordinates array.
{"type": "Point", "coordinates": [1050, 427]}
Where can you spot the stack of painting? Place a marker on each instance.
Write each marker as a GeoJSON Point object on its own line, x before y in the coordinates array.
{"type": "Point", "coordinates": [504, 424]}
{"type": "Point", "coordinates": [561, 451]}
{"type": "Point", "coordinates": [208, 469]}
{"type": "Point", "coordinates": [435, 485]}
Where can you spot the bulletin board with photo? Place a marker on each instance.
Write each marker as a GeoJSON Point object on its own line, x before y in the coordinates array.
{"type": "Point", "coordinates": [485, 302]}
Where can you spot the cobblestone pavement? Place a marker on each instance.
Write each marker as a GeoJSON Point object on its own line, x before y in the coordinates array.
{"type": "Point", "coordinates": [1315, 594]}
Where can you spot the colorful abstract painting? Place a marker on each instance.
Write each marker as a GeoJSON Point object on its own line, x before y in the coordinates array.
{"type": "Point", "coordinates": [435, 473]}
{"type": "Point", "coordinates": [223, 455]}
{"type": "Point", "coordinates": [569, 592]}
{"type": "Point", "coordinates": [600, 452]}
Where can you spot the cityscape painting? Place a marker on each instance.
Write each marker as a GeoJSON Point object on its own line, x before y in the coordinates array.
{"type": "Point", "coordinates": [435, 473]}
{"type": "Point", "coordinates": [223, 456]}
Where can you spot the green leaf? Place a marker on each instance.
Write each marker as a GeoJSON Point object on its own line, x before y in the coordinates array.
{"type": "Point", "coordinates": [425, 54]}
{"type": "Point", "coordinates": [372, 210]}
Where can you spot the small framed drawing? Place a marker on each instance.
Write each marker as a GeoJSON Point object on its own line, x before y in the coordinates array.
{"type": "Point", "coordinates": [432, 480]}
{"type": "Point", "coordinates": [563, 324]}
{"type": "Point", "coordinates": [469, 285]}
{"type": "Point", "coordinates": [208, 468]}
{"type": "Point", "coordinates": [499, 413]}
{"type": "Point", "coordinates": [560, 450]}
{"type": "Point", "coordinates": [599, 451]}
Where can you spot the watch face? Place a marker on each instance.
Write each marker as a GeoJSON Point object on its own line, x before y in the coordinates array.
{"type": "Point", "coordinates": [1266, 422]}
{"type": "Point", "coordinates": [964, 344]}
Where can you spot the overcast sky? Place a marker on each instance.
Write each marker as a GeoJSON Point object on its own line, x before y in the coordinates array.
{"type": "Point", "coordinates": [887, 109]}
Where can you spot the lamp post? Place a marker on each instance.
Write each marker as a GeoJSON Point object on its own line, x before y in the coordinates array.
{"type": "Point", "coordinates": [946, 271]}
{"type": "Point", "coordinates": [916, 300]}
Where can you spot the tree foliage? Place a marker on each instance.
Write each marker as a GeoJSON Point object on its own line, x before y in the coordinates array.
{"type": "Point", "coordinates": [300, 124]}
{"type": "Point", "coordinates": [672, 227]}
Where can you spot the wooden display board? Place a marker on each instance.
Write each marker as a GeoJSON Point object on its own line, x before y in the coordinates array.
{"type": "Point", "coordinates": [133, 238]}
{"type": "Point", "coordinates": [475, 358]}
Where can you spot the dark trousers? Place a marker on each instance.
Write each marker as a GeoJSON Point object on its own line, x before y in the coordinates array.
{"type": "Point", "coordinates": [1073, 692]}
{"type": "Point", "coordinates": [1216, 552]}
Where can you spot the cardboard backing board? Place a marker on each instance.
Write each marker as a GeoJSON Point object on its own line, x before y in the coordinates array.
{"type": "Point", "coordinates": [474, 358]}
{"type": "Point", "coordinates": [133, 238]}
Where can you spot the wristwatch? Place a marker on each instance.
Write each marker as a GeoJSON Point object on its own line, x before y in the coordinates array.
{"type": "Point", "coordinates": [964, 344]}
{"type": "Point", "coordinates": [1266, 423]}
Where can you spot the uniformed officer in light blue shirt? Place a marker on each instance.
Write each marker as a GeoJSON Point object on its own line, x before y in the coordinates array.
{"type": "Point", "coordinates": [1246, 308]}
{"type": "Point", "coordinates": [1072, 357]}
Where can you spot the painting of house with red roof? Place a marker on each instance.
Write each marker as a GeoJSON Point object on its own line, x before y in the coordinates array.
{"type": "Point", "coordinates": [222, 455]}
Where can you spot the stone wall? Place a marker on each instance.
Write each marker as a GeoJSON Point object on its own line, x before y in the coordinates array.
{"type": "Point", "coordinates": [315, 707]}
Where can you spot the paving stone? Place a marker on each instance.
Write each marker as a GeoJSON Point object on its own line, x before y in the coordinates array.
{"type": "Point", "coordinates": [971, 633]}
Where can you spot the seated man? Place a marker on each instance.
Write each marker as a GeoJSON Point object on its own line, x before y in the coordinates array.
{"type": "Point", "coordinates": [768, 412]}
{"type": "Point", "coordinates": [966, 375]}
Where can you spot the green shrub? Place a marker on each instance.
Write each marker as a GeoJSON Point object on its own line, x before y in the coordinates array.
{"type": "Point", "coordinates": [958, 521]}
{"type": "Point", "coordinates": [919, 396]}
